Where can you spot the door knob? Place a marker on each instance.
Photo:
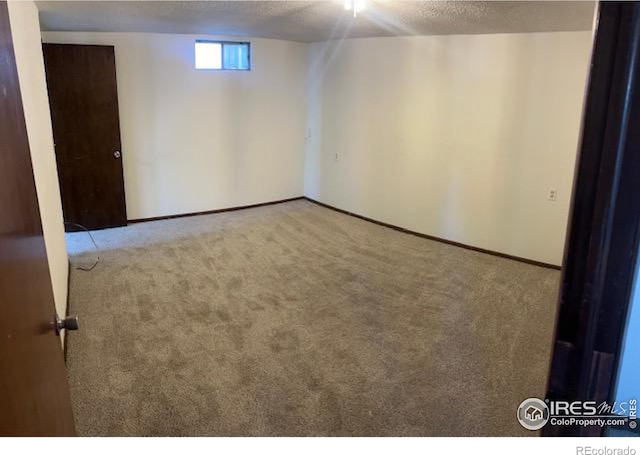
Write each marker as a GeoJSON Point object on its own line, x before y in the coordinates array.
{"type": "Point", "coordinates": [116, 153]}
{"type": "Point", "coordinates": [68, 323]}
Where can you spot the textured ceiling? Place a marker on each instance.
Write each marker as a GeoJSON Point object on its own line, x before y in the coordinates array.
{"type": "Point", "coordinates": [310, 21]}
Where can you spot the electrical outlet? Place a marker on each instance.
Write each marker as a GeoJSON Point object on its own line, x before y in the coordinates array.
{"type": "Point", "coordinates": [336, 157]}
{"type": "Point", "coordinates": [552, 195]}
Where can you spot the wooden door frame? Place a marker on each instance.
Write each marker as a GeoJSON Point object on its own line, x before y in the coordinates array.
{"type": "Point", "coordinates": [602, 240]}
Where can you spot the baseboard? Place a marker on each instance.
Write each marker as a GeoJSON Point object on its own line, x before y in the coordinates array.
{"type": "Point", "coordinates": [210, 212]}
{"type": "Point", "coordinates": [437, 239]}
{"type": "Point", "coordinates": [346, 212]}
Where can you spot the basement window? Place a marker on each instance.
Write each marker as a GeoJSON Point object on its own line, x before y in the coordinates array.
{"type": "Point", "coordinates": [223, 55]}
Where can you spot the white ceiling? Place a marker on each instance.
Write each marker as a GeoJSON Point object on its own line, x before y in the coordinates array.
{"type": "Point", "coordinates": [309, 21]}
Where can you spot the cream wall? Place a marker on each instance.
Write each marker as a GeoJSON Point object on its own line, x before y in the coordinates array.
{"type": "Point", "coordinates": [202, 140]}
{"type": "Point", "coordinates": [25, 31]}
{"type": "Point", "coordinates": [459, 137]}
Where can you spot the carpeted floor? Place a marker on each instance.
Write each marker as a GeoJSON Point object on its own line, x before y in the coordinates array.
{"type": "Point", "coordinates": [293, 319]}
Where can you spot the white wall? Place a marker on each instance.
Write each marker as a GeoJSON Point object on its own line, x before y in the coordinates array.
{"type": "Point", "coordinates": [202, 140]}
{"type": "Point", "coordinates": [458, 137]}
{"type": "Point", "coordinates": [25, 31]}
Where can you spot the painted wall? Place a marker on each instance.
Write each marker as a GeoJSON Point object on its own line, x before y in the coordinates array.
{"type": "Point", "coordinates": [459, 137]}
{"type": "Point", "coordinates": [25, 30]}
{"type": "Point", "coordinates": [627, 387]}
{"type": "Point", "coordinates": [628, 381]}
{"type": "Point", "coordinates": [200, 140]}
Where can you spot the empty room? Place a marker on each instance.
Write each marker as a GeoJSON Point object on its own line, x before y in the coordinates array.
{"type": "Point", "coordinates": [300, 218]}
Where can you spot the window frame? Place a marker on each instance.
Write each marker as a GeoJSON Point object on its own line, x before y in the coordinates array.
{"type": "Point", "coordinates": [222, 44]}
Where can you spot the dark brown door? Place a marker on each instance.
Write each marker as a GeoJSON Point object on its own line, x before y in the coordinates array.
{"type": "Point", "coordinates": [84, 111]}
{"type": "Point", "coordinates": [34, 393]}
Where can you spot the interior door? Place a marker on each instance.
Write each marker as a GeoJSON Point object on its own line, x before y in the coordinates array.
{"type": "Point", "coordinates": [34, 393]}
{"type": "Point", "coordinates": [83, 96]}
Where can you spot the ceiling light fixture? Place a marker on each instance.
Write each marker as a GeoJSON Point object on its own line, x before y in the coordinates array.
{"type": "Point", "coordinates": [355, 5]}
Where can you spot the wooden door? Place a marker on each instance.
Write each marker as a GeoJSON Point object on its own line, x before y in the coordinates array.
{"type": "Point", "coordinates": [34, 393]}
{"type": "Point", "coordinates": [84, 111]}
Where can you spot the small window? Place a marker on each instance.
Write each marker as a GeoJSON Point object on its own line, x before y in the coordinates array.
{"type": "Point", "coordinates": [222, 55]}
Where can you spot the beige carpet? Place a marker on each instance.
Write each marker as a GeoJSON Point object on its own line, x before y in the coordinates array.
{"type": "Point", "coordinates": [293, 319]}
